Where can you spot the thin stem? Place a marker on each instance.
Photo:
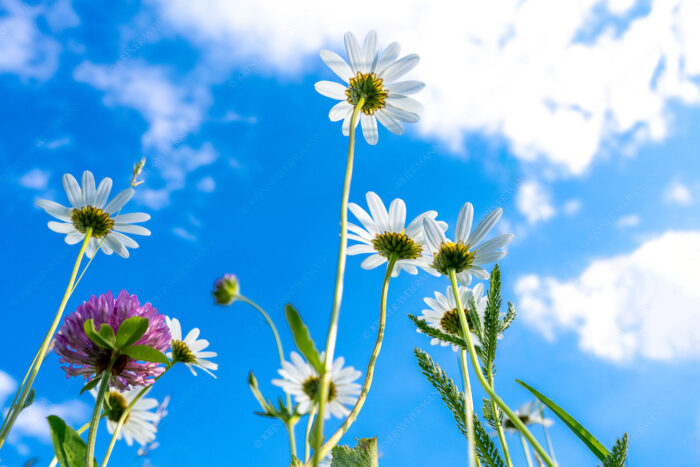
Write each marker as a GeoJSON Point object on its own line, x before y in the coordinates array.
{"type": "Point", "coordinates": [489, 390]}
{"type": "Point", "coordinates": [325, 449]}
{"type": "Point", "coordinates": [468, 409]}
{"type": "Point", "coordinates": [280, 351]}
{"type": "Point", "coordinates": [337, 296]}
{"type": "Point", "coordinates": [550, 446]}
{"type": "Point", "coordinates": [95, 420]}
{"type": "Point", "coordinates": [309, 424]}
{"type": "Point", "coordinates": [43, 349]}
{"type": "Point", "coordinates": [499, 426]}
{"type": "Point", "coordinates": [526, 451]}
{"type": "Point", "coordinates": [292, 439]}
{"type": "Point", "coordinates": [80, 430]}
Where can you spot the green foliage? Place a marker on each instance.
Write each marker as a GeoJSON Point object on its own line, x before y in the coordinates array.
{"type": "Point", "coordinates": [475, 319]}
{"type": "Point", "coordinates": [68, 446]}
{"type": "Point", "coordinates": [584, 435]}
{"type": "Point", "coordinates": [30, 399]}
{"type": "Point", "coordinates": [302, 338]}
{"type": "Point", "coordinates": [131, 330]}
{"type": "Point", "coordinates": [91, 384]}
{"type": "Point", "coordinates": [618, 455]}
{"type": "Point", "coordinates": [104, 337]}
{"type": "Point", "coordinates": [454, 399]}
{"type": "Point", "coordinates": [432, 332]}
{"type": "Point", "coordinates": [487, 411]}
{"type": "Point", "coordinates": [492, 324]}
{"type": "Point", "coordinates": [508, 318]}
{"type": "Point", "coordinates": [363, 455]}
{"type": "Point", "coordinates": [269, 409]}
{"type": "Point", "coordinates": [145, 353]}
{"type": "Point", "coordinates": [296, 462]}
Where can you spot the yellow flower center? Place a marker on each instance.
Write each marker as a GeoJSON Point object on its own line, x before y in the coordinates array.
{"type": "Point", "coordinates": [370, 87]}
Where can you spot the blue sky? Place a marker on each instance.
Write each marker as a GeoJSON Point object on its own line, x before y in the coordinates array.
{"type": "Point", "coordinates": [584, 132]}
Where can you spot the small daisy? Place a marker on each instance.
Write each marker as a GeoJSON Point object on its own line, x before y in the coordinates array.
{"type": "Point", "coordinates": [91, 210]}
{"type": "Point", "coordinates": [384, 235]}
{"type": "Point", "coordinates": [141, 423]}
{"type": "Point", "coordinates": [190, 349]}
{"type": "Point", "coordinates": [443, 313]}
{"type": "Point", "coordinates": [529, 414]}
{"type": "Point", "coordinates": [463, 255]}
{"type": "Point", "coordinates": [373, 77]}
{"type": "Point", "coordinates": [302, 381]}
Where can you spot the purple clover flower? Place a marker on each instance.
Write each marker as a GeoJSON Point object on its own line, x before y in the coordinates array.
{"type": "Point", "coordinates": [84, 357]}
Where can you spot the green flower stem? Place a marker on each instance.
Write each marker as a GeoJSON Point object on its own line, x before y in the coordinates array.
{"type": "Point", "coordinates": [326, 448]}
{"type": "Point", "coordinates": [95, 420]}
{"type": "Point", "coordinates": [526, 451]}
{"type": "Point", "coordinates": [468, 408]}
{"type": "Point", "coordinates": [550, 447]}
{"type": "Point", "coordinates": [309, 424]}
{"type": "Point", "coordinates": [33, 370]}
{"type": "Point", "coordinates": [482, 380]}
{"type": "Point", "coordinates": [499, 426]}
{"type": "Point", "coordinates": [337, 296]}
{"type": "Point", "coordinates": [81, 430]}
{"type": "Point", "coordinates": [280, 351]}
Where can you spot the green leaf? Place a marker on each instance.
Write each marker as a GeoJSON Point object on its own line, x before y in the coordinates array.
{"type": "Point", "coordinates": [68, 446]}
{"type": "Point", "coordinates": [30, 399]}
{"type": "Point", "coordinates": [131, 330]}
{"type": "Point", "coordinates": [454, 399]}
{"type": "Point", "coordinates": [302, 338]}
{"type": "Point", "coordinates": [296, 462]}
{"type": "Point", "coordinates": [364, 454]}
{"type": "Point", "coordinates": [91, 384]}
{"type": "Point", "coordinates": [145, 353]}
{"type": "Point", "coordinates": [104, 337]}
{"type": "Point", "coordinates": [618, 455]}
{"type": "Point", "coordinates": [508, 318]}
{"type": "Point", "coordinates": [492, 324]}
{"type": "Point", "coordinates": [584, 435]}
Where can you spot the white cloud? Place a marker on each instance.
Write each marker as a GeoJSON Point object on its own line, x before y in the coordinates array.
{"type": "Point", "coordinates": [207, 185]}
{"type": "Point", "coordinates": [642, 304]}
{"type": "Point", "coordinates": [24, 50]}
{"type": "Point", "coordinates": [173, 168]}
{"type": "Point", "coordinates": [184, 234]}
{"type": "Point", "coordinates": [172, 110]}
{"type": "Point", "coordinates": [36, 179]}
{"type": "Point", "coordinates": [32, 420]}
{"type": "Point", "coordinates": [58, 142]}
{"type": "Point", "coordinates": [678, 193]}
{"type": "Point", "coordinates": [534, 202]}
{"type": "Point", "coordinates": [553, 89]}
{"type": "Point", "coordinates": [7, 386]}
{"type": "Point", "coordinates": [631, 220]}
{"type": "Point", "coordinates": [572, 207]}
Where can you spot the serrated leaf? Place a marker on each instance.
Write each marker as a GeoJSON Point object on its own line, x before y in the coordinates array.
{"type": "Point", "coordinates": [91, 384]}
{"type": "Point", "coordinates": [508, 318]}
{"type": "Point", "coordinates": [584, 435]}
{"type": "Point", "coordinates": [302, 338]}
{"type": "Point", "coordinates": [436, 333]}
{"type": "Point", "coordinates": [131, 331]}
{"type": "Point", "coordinates": [68, 446]}
{"type": "Point", "coordinates": [618, 454]}
{"type": "Point", "coordinates": [104, 337]}
{"type": "Point", "coordinates": [364, 454]}
{"type": "Point", "coordinates": [296, 462]}
{"type": "Point", "coordinates": [30, 399]}
{"type": "Point", "coordinates": [145, 353]}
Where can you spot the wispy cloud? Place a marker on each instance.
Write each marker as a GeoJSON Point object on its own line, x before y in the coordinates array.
{"type": "Point", "coordinates": [36, 179]}
{"type": "Point", "coordinates": [642, 304]}
{"type": "Point", "coordinates": [678, 193]}
{"type": "Point", "coordinates": [534, 202]}
{"type": "Point", "coordinates": [206, 185]}
{"type": "Point", "coordinates": [512, 72]}
{"type": "Point", "coordinates": [631, 220]}
{"type": "Point", "coordinates": [184, 234]}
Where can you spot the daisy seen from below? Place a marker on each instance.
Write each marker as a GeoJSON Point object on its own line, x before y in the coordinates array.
{"type": "Point", "coordinates": [140, 424]}
{"type": "Point", "coordinates": [190, 350]}
{"type": "Point", "coordinates": [383, 234]}
{"type": "Point", "coordinates": [529, 414]}
{"type": "Point", "coordinates": [302, 381]}
{"type": "Point", "coordinates": [463, 255]}
{"type": "Point", "coordinates": [443, 314]}
{"type": "Point", "coordinates": [89, 209]}
{"type": "Point", "coordinates": [373, 77]}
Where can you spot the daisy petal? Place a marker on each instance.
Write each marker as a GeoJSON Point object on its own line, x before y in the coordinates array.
{"type": "Point", "coordinates": [102, 194]}
{"type": "Point", "coordinates": [331, 89]}
{"type": "Point", "coordinates": [75, 197]}
{"type": "Point", "coordinates": [369, 51]}
{"type": "Point", "coordinates": [339, 111]}
{"type": "Point", "coordinates": [88, 188]}
{"type": "Point", "coordinates": [397, 215]}
{"type": "Point", "coordinates": [346, 124]}
{"type": "Point", "coordinates": [132, 229]}
{"type": "Point", "coordinates": [402, 115]}
{"type": "Point", "coordinates": [407, 104]}
{"type": "Point", "coordinates": [389, 55]}
{"type": "Point", "coordinates": [56, 210]}
{"type": "Point", "coordinates": [369, 129]}
{"type": "Point", "coordinates": [464, 222]}
{"type": "Point", "coordinates": [484, 226]}
{"type": "Point", "coordinates": [494, 244]}
{"type": "Point", "coordinates": [336, 63]}
{"type": "Point", "coordinates": [131, 218]}
{"type": "Point", "coordinates": [405, 87]}
{"type": "Point", "coordinates": [61, 227]}
{"type": "Point", "coordinates": [378, 211]}
{"type": "Point", "coordinates": [353, 50]}
{"type": "Point", "coordinates": [399, 68]}
{"type": "Point", "coordinates": [119, 201]}
{"type": "Point", "coordinates": [433, 234]}
{"type": "Point", "coordinates": [488, 257]}
{"type": "Point", "coordinates": [389, 122]}
{"type": "Point", "coordinates": [373, 261]}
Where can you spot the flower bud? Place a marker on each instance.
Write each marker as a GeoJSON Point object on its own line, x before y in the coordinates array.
{"type": "Point", "coordinates": [226, 289]}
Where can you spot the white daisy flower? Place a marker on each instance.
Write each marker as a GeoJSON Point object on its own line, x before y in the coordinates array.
{"type": "Point", "coordinates": [141, 423]}
{"type": "Point", "coordinates": [383, 234]}
{"type": "Point", "coordinates": [463, 255]}
{"type": "Point", "coordinates": [443, 313]}
{"type": "Point", "coordinates": [373, 77]}
{"type": "Point", "coordinates": [529, 414]}
{"type": "Point", "coordinates": [302, 381]}
{"type": "Point", "coordinates": [89, 209]}
{"type": "Point", "coordinates": [189, 350]}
